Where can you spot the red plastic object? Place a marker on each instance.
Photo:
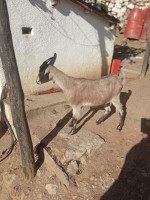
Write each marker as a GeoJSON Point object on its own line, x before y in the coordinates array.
{"type": "Point", "coordinates": [143, 34]}
{"type": "Point", "coordinates": [50, 90]}
{"type": "Point", "coordinates": [135, 24]}
{"type": "Point", "coordinates": [115, 66]}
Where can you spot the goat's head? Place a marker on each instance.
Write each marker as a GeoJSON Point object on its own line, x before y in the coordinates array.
{"type": "Point", "coordinates": [44, 75]}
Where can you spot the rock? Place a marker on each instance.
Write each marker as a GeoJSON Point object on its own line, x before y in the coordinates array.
{"type": "Point", "coordinates": [38, 173]}
{"type": "Point", "coordinates": [52, 165]}
{"type": "Point", "coordinates": [147, 4]}
{"type": "Point", "coordinates": [1, 178]}
{"type": "Point", "coordinates": [22, 196]}
{"type": "Point", "coordinates": [74, 197]}
{"type": "Point", "coordinates": [87, 142]}
{"type": "Point", "coordinates": [119, 15]}
{"type": "Point", "coordinates": [118, 5]}
{"type": "Point", "coordinates": [56, 169]}
{"type": "Point", "coordinates": [92, 178]}
{"type": "Point", "coordinates": [130, 6]}
{"type": "Point", "coordinates": [0, 189]}
{"type": "Point", "coordinates": [111, 5]}
{"type": "Point", "coordinates": [125, 3]}
{"type": "Point", "coordinates": [116, 10]}
{"type": "Point", "coordinates": [72, 168]}
{"type": "Point", "coordinates": [106, 181]}
{"type": "Point", "coordinates": [113, 13]}
{"type": "Point", "coordinates": [8, 178]}
{"type": "Point", "coordinates": [75, 154]}
{"type": "Point", "coordinates": [52, 189]}
{"type": "Point", "coordinates": [123, 10]}
{"type": "Point", "coordinates": [83, 160]}
{"type": "Point", "coordinates": [16, 193]}
{"type": "Point", "coordinates": [121, 25]}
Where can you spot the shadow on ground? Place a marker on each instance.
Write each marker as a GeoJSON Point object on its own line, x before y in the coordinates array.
{"type": "Point", "coordinates": [126, 52]}
{"type": "Point", "coordinates": [63, 122]}
{"type": "Point", "coordinates": [134, 179]}
{"type": "Point", "coordinates": [3, 129]}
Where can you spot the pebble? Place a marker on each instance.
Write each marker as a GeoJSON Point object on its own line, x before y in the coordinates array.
{"type": "Point", "coordinates": [115, 10]}
{"type": "Point", "coordinates": [92, 178]}
{"type": "Point", "coordinates": [130, 6]}
{"type": "Point", "coordinates": [72, 168]}
{"type": "Point", "coordinates": [38, 173]}
{"type": "Point", "coordinates": [123, 10]}
{"type": "Point", "coordinates": [52, 189]}
{"type": "Point", "coordinates": [118, 5]}
{"type": "Point", "coordinates": [74, 197]}
{"type": "Point", "coordinates": [111, 5]}
{"type": "Point", "coordinates": [8, 178]}
{"type": "Point", "coordinates": [83, 160]}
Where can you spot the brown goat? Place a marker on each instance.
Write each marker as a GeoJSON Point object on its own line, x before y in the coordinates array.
{"type": "Point", "coordinates": [81, 92]}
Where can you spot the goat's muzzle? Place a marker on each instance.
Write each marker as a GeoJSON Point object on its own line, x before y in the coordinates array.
{"type": "Point", "coordinates": [42, 79]}
{"type": "Point", "coordinates": [38, 81]}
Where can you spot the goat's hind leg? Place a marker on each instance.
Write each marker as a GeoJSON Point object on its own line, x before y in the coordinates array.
{"type": "Point", "coordinates": [106, 113]}
{"type": "Point", "coordinates": [116, 102]}
{"type": "Point", "coordinates": [73, 124]}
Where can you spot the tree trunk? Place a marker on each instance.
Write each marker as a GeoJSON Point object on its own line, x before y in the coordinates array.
{"type": "Point", "coordinates": [147, 52]}
{"type": "Point", "coordinates": [16, 94]}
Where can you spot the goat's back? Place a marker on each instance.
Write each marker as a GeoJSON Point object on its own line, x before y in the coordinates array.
{"type": "Point", "coordinates": [93, 92]}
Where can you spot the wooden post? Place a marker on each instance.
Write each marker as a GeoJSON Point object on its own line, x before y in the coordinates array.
{"type": "Point", "coordinates": [147, 52]}
{"type": "Point", "coordinates": [16, 94]}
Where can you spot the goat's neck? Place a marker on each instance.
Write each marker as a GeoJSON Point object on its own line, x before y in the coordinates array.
{"type": "Point", "coordinates": [61, 79]}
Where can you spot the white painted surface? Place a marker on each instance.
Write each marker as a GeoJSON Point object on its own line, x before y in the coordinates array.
{"type": "Point", "coordinates": [83, 42]}
{"type": "Point", "coordinates": [2, 79]}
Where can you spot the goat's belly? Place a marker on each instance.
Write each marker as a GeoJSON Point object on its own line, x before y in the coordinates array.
{"type": "Point", "coordinates": [97, 102]}
{"type": "Point", "coordinates": [94, 103]}
{"type": "Point", "coordinates": [87, 104]}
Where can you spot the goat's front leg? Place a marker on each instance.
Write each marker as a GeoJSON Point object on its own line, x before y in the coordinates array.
{"type": "Point", "coordinates": [71, 123]}
{"type": "Point", "coordinates": [74, 121]}
{"type": "Point", "coordinates": [105, 115]}
{"type": "Point", "coordinates": [76, 114]}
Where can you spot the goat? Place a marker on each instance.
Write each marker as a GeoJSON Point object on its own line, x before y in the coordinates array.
{"type": "Point", "coordinates": [81, 92]}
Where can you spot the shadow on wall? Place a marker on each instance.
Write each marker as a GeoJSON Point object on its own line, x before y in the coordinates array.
{"type": "Point", "coordinates": [133, 182]}
{"type": "Point", "coordinates": [101, 32]}
{"type": "Point", "coordinates": [40, 4]}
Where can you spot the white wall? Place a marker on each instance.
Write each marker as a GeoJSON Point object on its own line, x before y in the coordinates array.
{"type": "Point", "coordinates": [83, 42]}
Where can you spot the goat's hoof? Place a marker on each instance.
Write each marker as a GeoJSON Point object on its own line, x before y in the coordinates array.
{"type": "Point", "coordinates": [70, 125]}
{"type": "Point", "coordinates": [119, 128]}
{"type": "Point", "coordinates": [72, 132]}
{"type": "Point", "coordinates": [98, 122]}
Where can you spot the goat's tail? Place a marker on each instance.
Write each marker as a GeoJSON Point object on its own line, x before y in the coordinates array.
{"type": "Point", "coordinates": [122, 76]}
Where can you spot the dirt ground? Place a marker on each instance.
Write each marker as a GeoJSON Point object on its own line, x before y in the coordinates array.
{"type": "Point", "coordinates": [101, 162]}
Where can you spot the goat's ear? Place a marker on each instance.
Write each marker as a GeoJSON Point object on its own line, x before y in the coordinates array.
{"type": "Point", "coordinates": [52, 61]}
{"type": "Point", "coordinates": [48, 62]}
